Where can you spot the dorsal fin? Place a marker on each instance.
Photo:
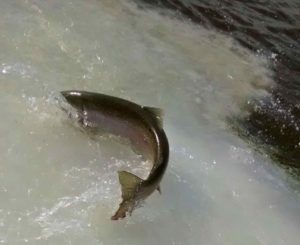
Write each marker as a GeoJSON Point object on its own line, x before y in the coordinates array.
{"type": "Point", "coordinates": [129, 183]}
{"type": "Point", "coordinates": [157, 114]}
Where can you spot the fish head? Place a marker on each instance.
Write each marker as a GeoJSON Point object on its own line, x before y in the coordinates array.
{"type": "Point", "coordinates": [74, 98]}
{"type": "Point", "coordinates": [72, 104]}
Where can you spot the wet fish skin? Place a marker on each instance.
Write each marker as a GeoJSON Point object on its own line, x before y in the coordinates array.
{"type": "Point", "coordinates": [141, 125]}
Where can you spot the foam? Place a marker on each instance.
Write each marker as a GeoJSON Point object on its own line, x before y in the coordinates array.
{"type": "Point", "coordinates": [58, 185]}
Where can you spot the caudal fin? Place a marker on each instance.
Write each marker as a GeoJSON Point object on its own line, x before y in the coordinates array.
{"type": "Point", "coordinates": [129, 183]}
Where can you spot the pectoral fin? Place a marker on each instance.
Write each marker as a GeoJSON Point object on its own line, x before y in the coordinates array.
{"type": "Point", "coordinates": [129, 183]}
{"type": "Point", "coordinates": [158, 189]}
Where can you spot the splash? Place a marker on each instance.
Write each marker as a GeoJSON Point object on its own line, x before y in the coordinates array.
{"type": "Point", "coordinates": [63, 184]}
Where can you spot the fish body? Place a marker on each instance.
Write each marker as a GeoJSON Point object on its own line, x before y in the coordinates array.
{"type": "Point", "coordinates": [141, 125]}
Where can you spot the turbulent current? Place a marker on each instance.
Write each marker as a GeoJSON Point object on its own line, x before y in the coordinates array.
{"type": "Point", "coordinates": [59, 185]}
{"type": "Point", "coordinates": [268, 28]}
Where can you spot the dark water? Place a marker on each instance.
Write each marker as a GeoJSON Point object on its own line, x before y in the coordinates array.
{"type": "Point", "coordinates": [269, 28]}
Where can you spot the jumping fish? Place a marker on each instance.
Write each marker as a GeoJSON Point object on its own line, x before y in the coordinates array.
{"type": "Point", "coordinates": [141, 125]}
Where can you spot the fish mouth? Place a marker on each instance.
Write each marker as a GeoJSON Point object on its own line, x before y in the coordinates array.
{"type": "Point", "coordinates": [63, 103]}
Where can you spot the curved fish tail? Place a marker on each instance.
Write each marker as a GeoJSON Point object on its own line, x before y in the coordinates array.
{"type": "Point", "coordinates": [130, 184]}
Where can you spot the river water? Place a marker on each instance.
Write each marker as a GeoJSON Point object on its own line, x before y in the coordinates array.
{"type": "Point", "coordinates": [268, 28]}
{"type": "Point", "coordinates": [58, 185]}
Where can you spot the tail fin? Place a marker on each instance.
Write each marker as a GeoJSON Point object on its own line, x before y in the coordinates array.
{"type": "Point", "coordinates": [129, 183]}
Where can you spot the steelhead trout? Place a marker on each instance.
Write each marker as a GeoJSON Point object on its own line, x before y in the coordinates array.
{"type": "Point", "coordinates": [141, 125]}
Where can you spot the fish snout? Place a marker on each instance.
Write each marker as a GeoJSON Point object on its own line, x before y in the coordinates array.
{"type": "Point", "coordinates": [70, 103]}
{"type": "Point", "coordinates": [73, 97]}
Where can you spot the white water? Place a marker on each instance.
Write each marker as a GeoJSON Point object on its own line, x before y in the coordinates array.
{"type": "Point", "coordinates": [58, 186]}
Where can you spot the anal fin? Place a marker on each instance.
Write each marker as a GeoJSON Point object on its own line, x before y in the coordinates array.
{"type": "Point", "coordinates": [158, 189]}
